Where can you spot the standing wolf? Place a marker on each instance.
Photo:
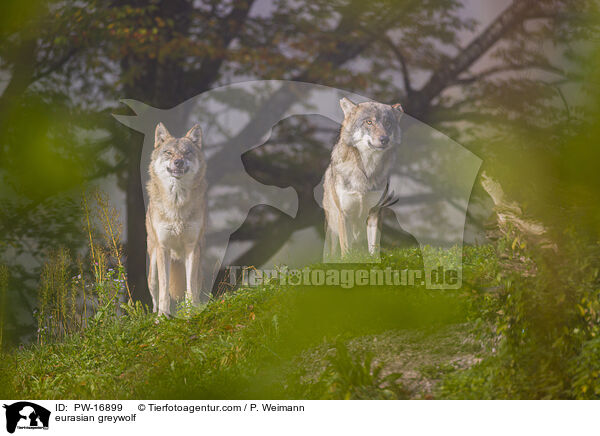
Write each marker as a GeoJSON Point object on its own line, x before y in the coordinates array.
{"type": "Point", "coordinates": [357, 179]}
{"type": "Point", "coordinates": [176, 217]}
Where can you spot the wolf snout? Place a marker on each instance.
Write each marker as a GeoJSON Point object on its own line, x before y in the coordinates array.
{"type": "Point", "coordinates": [177, 168]}
{"type": "Point", "coordinates": [384, 139]}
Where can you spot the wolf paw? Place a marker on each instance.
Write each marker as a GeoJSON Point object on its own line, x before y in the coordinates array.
{"type": "Point", "coordinates": [162, 317]}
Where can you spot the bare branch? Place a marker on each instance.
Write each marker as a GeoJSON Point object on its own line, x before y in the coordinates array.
{"type": "Point", "coordinates": [449, 71]}
{"type": "Point", "coordinates": [56, 65]}
{"type": "Point", "coordinates": [508, 68]}
{"type": "Point", "coordinates": [402, 60]}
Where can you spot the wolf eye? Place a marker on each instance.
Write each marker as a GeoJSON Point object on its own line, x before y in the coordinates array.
{"type": "Point", "coordinates": [369, 122]}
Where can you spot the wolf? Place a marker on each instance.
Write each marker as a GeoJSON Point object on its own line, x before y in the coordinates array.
{"type": "Point", "coordinates": [356, 182]}
{"type": "Point", "coordinates": [176, 217]}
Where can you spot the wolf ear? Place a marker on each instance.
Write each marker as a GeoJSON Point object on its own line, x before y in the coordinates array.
{"type": "Point", "coordinates": [195, 135]}
{"type": "Point", "coordinates": [399, 109]}
{"type": "Point", "coordinates": [347, 106]}
{"type": "Point", "coordinates": [161, 135]}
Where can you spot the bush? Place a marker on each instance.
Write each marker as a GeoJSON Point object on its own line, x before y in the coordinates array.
{"type": "Point", "coordinates": [547, 324]}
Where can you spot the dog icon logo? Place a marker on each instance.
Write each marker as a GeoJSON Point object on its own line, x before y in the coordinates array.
{"type": "Point", "coordinates": [26, 415]}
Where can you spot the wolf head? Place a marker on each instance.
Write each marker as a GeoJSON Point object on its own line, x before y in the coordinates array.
{"type": "Point", "coordinates": [177, 158]}
{"type": "Point", "coordinates": [371, 126]}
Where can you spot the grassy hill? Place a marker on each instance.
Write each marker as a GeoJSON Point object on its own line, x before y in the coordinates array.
{"type": "Point", "coordinates": [273, 341]}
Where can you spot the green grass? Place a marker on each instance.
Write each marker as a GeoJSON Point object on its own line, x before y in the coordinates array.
{"type": "Point", "coordinates": [270, 342]}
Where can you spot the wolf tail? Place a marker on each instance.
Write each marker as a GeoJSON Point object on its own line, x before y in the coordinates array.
{"type": "Point", "coordinates": [388, 198]}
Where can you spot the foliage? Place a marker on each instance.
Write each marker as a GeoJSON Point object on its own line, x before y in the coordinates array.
{"type": "Point", "coordinates": [543, 339]}
{"type": "Point", "coordinates": [57, 298]}
{"type": "Point", "coordinates": [3, 291]}
{"type": "Point", "coordinates": [74, 294]}
{"type": "Point", "coordinates": [243, 345]}
{"type": "Point", "coordinates": [545, 327]}
{"type": "Point", "coordinates": [585, 371]}
{"type": "Point", "coordinates": [353, 379]}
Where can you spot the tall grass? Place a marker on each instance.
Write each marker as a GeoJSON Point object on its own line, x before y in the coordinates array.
{"type": "Point", "coordinates": [54, 315]}
{"type": "Point", "coordinates": [112, 229]}
{"type": "Point", "coordinates": [76, 292]}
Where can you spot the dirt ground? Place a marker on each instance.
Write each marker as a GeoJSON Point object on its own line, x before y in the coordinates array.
{"type": "Point", "coordinates": [423, 357]}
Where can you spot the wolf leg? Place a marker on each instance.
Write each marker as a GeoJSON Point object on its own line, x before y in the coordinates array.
{"type": "Point", "coordinates": [331, 247]}
{"type": "Point", "coordinates": [343, 234]}
{"type": "Point", "coordinates": [164, 266]}
{"type": "Point", "coordinates": [192, 263]}
{"type": "Point", "coordinates": [334, 244]}
{"type": "Point", "coordinates": [153, 281]}
{"type": "Point", "coordinates": [177, 279]}
{"type": "Point", "coordinates": [387, 199]}
{"type": "Point", "coordinates": [373, 234]}
{"type": "Point", "coordinates": [336, 220]}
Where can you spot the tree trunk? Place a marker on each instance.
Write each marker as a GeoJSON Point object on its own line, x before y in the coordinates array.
{"type": "Point", "coordinates": [150, 86]}
{"type": "Point", "coordinates": [136, 230]}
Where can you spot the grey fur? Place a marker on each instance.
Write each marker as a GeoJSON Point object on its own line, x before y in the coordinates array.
{"type": "Point", "coordinates": [358, 175]}
{"type": "Point", "coordinates": [176, 217]}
